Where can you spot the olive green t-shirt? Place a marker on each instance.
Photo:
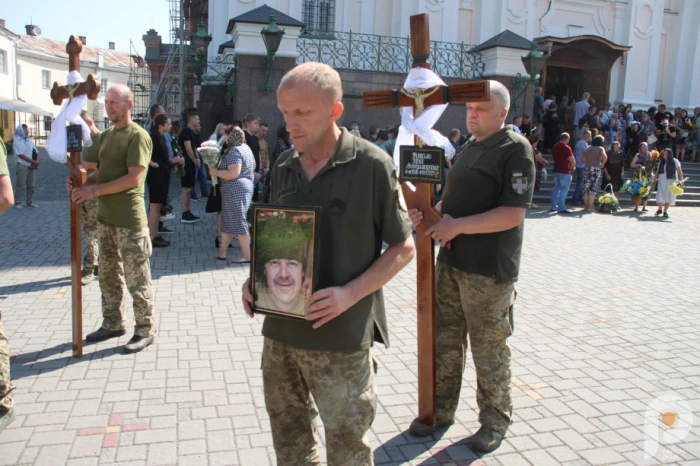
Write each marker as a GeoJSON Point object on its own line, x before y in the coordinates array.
{"type": "Point", "coordinates": [3, 159]}
{"type": "Point", "coordinates": [120, 149]}
{"type": "Point", "coordinates": [358, 193]}
{"type": "Point", "coordinates": [92, 153]}
{"type": "Point", "coordinates": [498, 171]}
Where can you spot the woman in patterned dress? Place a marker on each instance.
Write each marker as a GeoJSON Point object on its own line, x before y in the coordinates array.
{"type": "Point", "coordinates": [235, 175]}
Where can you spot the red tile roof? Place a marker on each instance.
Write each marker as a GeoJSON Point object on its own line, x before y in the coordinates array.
{"type": "Point", "coordinates": [57, 48]}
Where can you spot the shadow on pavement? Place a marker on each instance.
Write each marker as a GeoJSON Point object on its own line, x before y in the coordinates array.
{"type": "Point", "coordinates": [40, 285]}
{"type": "Point", "coordinates": [409, 448]}
{"type": "Point", "coordinates": [36, 362]}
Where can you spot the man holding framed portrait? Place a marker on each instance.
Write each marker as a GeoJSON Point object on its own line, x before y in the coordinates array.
{"type": "Point", "coordinates": [325, 357]}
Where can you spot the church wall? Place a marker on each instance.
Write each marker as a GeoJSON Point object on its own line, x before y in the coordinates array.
{"type": "Point", "coordinates": [383, 14]}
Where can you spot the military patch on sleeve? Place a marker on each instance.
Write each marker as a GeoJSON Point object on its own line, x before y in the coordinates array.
{"type": "Point", "coordinates": [519, 182]}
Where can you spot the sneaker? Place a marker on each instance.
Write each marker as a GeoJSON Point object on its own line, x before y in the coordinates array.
{"type": "Point", "coordinates": [6, 417]}
{"type": "Point", "coordinates": [195, 199]}
{"type": "Point", "coordinates": [160, 242]}
{"type": "Point", "coordinates": [165, 218]}
{"type": "Point", "coordinates": [565, 211]}
{"type": "Point", "coordinates": [163, 230]}
{"type": "Point", "coordinates": [137, 344]}
{"type": "Point", "coordinates": [187, 217]}
{"type": "Point", "coordinates": [87, 276]}
{"type": "Point", "coordinates": [32, 205]}
{"type": "Point", "coordinates": [485, 440]}
{"type": "Point", "coordinates": [18, 206]}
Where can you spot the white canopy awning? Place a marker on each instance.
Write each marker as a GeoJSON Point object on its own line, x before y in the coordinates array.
{"type": "Point", "coordinates": [19, 106]}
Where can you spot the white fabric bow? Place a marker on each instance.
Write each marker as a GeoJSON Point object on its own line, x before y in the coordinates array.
{"type": "Point", "coordinates": [56, 143]}
{"type": "Point", "coordinates": [421, 78]}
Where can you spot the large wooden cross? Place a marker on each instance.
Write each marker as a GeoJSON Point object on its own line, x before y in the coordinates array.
{"type": "Point", "coordinates": [422, 198]}
{"type": "Point", "coordinates": [91, 88]}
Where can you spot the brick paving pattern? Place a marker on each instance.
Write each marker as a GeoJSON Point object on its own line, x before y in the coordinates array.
{"type": "Point", "coordinates": [606, 321]}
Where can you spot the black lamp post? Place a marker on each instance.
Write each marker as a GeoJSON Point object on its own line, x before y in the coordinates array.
{"type": "Point", "coordinates": [200, 42]}
{"type": "Point", "coordinates": [534, 62]}
{"type": "Point", "coordinates": [272, 37]}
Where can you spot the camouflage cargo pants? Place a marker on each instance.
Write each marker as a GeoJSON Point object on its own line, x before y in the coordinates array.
{"type": "Point", "coordinates": [124, 259]}
{"type": "Point", "coordinates": [477, 306]}
{"type": "Point", "coordinates": [5, 386]}
{"type": "Point", "coordinates": [343, 389]}
{"type": "Point", "coordinates": [89, 222]}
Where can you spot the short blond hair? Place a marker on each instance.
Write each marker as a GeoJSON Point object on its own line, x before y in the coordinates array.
{"type": "Point", "coordinates": [322, 76]}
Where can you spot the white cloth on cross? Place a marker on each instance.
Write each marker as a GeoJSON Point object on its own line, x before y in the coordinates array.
{"type": "Point", "coordinates": [57, 143]}
{"type": "Point", "coordinates": [421, 78]}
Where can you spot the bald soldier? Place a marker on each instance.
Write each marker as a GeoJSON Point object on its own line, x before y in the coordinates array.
{"type": "Point", "coordinates": [327, 356]}
{"type": "Point", "coordinates": [7, 199]}
{"type": "Point", "coordinates": [124, 152]}
{"type": "Point", "coordinates": [488, 191]}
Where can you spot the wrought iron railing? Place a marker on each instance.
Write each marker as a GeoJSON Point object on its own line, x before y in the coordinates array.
{"type": "Point", "coordinates": [370, 52]}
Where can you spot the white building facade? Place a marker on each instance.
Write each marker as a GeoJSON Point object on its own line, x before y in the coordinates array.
{"type": "Point", "coordinates": [662, 64]}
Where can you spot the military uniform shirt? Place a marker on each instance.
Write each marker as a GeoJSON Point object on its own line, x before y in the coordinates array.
{"type": "Point", "coordinates": [498, 171]}
{"type": "Point", "coordinates": [92, 153]}
{"type": "Point", "coordinates": [120, 149]}
{"type": "Point", "coordinates": [359, 195]}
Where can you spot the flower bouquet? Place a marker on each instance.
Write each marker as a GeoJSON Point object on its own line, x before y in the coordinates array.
{"type": "Point", "coordinates": [209, 151]}
{"type": "Point", "coordinates": [607, 202]}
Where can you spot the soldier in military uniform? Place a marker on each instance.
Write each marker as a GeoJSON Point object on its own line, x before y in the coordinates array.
{"type": "Point", "coordinates": [282, 272]}
{"type": "Point", "coordinates": [124, 241]}
{"type": "Point", "coordinates": [326, 358]}
{"type": "Point", "coordinates": [7, 199]}
{"type": "Point", "coordinates": [488, 191]}
{"type": "Point", "coordinates": [88, 214]}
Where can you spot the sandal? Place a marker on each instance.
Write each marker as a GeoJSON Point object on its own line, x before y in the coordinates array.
{"type": "Point", "coordinates": [241, 261]}
{"type": "Point", "coordinates": [658, 212]}
{"type": "Point", "coordinates": [636, 209]}
{"type": "Point", "coordinates": [645, 210]}
{"type": "Point", "coordinates": [221, 258]}
{"type": "Point", "coordinates": [665, 215]}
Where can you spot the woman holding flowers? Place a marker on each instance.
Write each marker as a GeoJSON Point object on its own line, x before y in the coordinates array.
{"type": "Point", "coordinates": [593, 158]}
{"type": "Point", "coordinates": [642, 161]}
{"type": "Point", "coordinates": [235, 175]}
{"type": "Point", "coordinates": [667, 175]}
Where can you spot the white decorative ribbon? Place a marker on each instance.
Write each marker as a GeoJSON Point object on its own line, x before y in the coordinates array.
{"type": "Point", "coordinates": [56, 143]}
{"type": "Point", "coordinates": [421, 78]}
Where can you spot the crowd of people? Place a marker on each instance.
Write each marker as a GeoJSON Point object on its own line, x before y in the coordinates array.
{"type": "Point", "coordinates": [597, 144]}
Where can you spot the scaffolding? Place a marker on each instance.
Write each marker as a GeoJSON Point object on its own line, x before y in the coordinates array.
{"type": "Point", "coordinates": [140, 85]}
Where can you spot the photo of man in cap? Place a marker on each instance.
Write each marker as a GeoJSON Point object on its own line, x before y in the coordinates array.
{"type": "Point", "coordinates": [283, 255]}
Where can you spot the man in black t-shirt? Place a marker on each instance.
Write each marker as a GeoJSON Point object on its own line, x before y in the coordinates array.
{"type": "Point", "coordinates": [252, 123]}
{"type": "Point", "coordinates": [189, 140]}
{"type": "Point", "coordinates": [662, 114]}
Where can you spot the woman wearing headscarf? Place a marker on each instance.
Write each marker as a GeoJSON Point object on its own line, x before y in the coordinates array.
{"type": "Point", "coordinates": [669, 173]}
{"type": "Point", "coordinates": [235, 173]}
{"type": "Point", "coordinates": [642, 160]}
{"type": "Point", "coordinates": [593, 158]}
{"type": "Point", "coordinates": [614, 168]}
{"type": "Point", "coordinates": [24, 148]}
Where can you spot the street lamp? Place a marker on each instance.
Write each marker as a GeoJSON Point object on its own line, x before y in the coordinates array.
{"type": "Point", "coordinates": [200, 42]}
{"type": "Point", "coordinates": [534, 62]}
{"type": "Point", "coordinates": [272, 37]}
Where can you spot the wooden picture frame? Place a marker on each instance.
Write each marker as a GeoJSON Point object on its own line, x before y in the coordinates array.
{"type": "Point", "coordinates": [284, 258]}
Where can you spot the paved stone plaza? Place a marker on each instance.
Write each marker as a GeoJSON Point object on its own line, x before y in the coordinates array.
{"type": "Point", "coordinates": [607, 320]}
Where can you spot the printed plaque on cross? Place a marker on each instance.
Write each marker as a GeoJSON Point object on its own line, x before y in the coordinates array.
{"type": "Point", "coordinates": [422, 165]}
{"type": "Point", "coordinates": [59, 92]}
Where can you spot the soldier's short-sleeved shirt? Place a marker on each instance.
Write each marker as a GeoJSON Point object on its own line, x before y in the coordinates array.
{"type": "Point", "coordinates": [359, 195]}
{"type": "Point", "coordinates": [92, 153]}
{"type": "Point", "coordinates": [120, 149]}
{"type": "Point", "coordinates": [498, 171]}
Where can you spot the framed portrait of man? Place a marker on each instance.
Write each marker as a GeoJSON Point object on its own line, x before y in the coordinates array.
{"type": "Point", "coordinates": [284, 259]}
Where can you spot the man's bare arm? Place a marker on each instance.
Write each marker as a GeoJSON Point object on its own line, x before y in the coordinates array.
{"type": "Point", "coordinates": [128, 181]}
{"type": "Point", "coordinates": [7, 197]}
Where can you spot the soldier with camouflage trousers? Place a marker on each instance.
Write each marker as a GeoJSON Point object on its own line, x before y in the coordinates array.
{"type": "Point", "coordinates": [7, 199]}
{"type": "Point", "coordinates": [124, 153]}
{"type": "Point", "coordinates": [324, 360]}
{"type": "Point", "coordinates": [488, 191]}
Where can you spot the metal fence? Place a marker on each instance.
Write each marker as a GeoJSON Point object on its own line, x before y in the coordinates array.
{"type": "Point", "coordinates": [370, 52]}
